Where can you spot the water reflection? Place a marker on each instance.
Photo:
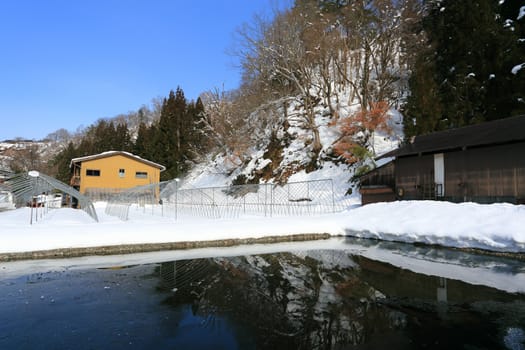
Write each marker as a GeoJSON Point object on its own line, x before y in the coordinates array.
{"type": "Point", "coordinates": [350, 294]}
{"type": "Point", "coordinates": [331, 299]}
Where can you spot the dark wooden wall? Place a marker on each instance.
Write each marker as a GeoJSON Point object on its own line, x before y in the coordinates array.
{"type": "Point", "coordinates": [486, 174]}
{"type": "Point", "coordinates": [382, 176]}
{"type": "Point", "coordinates": [413, 174]}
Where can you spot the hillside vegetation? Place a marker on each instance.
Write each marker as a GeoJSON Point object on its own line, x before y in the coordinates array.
{"type": "Point", "coordinates": [327, 85]}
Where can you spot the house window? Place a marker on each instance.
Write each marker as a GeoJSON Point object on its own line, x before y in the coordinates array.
{"type": "Point", "coordinates": [141, 175]}
{"type": "Point", "coordinates": [121, 172]}
{"type": "Point", "coordinates": [92, 172]}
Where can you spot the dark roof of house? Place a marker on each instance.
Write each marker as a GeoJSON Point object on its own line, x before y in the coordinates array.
{"type": "Point", "coordinates": [499, 131]}
{"type": "Point", "coordinates": [116, 153]}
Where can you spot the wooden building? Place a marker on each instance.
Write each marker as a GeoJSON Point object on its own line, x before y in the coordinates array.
{"type": "Point", "coordinates": [483, 163]}
{"type": "Point", "coordinates": [378, 185]}
{"type": "Point", "coordinates": [112, 171]}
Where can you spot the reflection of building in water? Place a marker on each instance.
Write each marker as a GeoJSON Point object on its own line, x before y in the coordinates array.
{"type": "Point", "coordinates": [323, 299]}
{"type": "Point", "coordinates": [442, 290]}
{"type": "Point", "coordinates": [442, 298]}
{"type": "Point", "coordinates": [404, 283]}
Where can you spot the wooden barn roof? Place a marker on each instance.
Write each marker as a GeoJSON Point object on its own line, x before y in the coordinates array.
{"type": "Point", "coordinates": [114, 153]}
{"type": "Point", "coordinates": [499, 131]}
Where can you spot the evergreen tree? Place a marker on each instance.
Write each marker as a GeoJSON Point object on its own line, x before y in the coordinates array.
{"type": "Point", "coordinates": [423, 110]}
{"type": "Point", "coordinates": [62, 161]}
{"type": "Point", "coordinates": [193, 145]}
{"type": "Point", "coordinates": [142, 142]}
{"type": "Point", "coordinates": [122, 139]}
{"type": "Point", "coordinates": [453, 25]}
{"type": "Point", "coordinates": [198, 144]}
{"type": "Point", "coordinates": [507, 91]}
{"type": "Point", "coordinates": [170, 134]}
{"type": "Point", "coordinates": [174, 141]}
{"type": "Point", "coordinates": [467, 76]}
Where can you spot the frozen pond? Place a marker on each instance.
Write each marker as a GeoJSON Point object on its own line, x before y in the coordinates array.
{"type": "Point", "coordinates": [333, 294]}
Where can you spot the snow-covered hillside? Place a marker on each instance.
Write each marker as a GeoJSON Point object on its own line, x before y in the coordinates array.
{"type": "Point", "coordinates": [295, 154]}
{"type": "Point", "coordinates": [26, 152]}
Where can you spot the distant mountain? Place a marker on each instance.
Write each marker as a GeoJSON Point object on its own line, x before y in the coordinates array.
{"type": "Point", "coordinates": [27, 154]}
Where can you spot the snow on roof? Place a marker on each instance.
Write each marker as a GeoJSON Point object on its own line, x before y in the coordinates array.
{"type": "Point", "coordinates": [115, 153]}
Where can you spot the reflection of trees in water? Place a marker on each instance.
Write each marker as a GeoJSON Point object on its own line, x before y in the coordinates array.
{"type": "Point", "coordinates": [289, 300]}
{"type": "Point", "coordinates": [325, 300]}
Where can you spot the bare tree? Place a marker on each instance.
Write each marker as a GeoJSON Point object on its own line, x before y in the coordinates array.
{"type": "Point", "coordinates": [26, 158]}
{"type": "Point", "coordinates": [371, 55]}
{"type": "Point", "coordinates": [274, 54]}
{"type": "Point", "coordinates": [320, 37]}
{"type": "Point", "coordinates": [308, 54]}
{"type": "Point", "coordinates": [61, 135]}
{"type": "Point", "coordinates": [223, 123]}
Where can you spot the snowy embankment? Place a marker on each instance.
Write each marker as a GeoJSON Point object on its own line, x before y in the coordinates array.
{"type": "Point", "coordinates": [495, 227]}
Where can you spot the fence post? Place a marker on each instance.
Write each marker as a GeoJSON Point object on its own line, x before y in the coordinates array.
{"type": "Point", "coordinates": [265, 196]}
{"type": "Point", "coordinates": [308, 195]}
{"type": "Point", "coordinates": [214, 205]}
{"type": "Point", "coordinates": [271, 200]}
{"type": "Point", "coordinates": [333, 196]}
{"type": "Point", "coordinates": [176, 196]}
{"type": "Point", "coordinates": [288, 203]}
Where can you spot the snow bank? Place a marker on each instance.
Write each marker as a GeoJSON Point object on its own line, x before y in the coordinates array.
{"type": "Point", "coordinates": [499, 227]}
{"type": "Point", "coordinates": [496, 227]}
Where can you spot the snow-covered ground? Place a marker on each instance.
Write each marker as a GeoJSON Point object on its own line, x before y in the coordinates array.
{"type": "Point", "coordinates": [496, 227]}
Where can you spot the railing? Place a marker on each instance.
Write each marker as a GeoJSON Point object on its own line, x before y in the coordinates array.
{"type": "Point", "coordinates": [74, 181]}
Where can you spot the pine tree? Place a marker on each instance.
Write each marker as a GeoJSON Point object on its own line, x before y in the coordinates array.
{"type": "Point", "coordinates": [62, 161]}
{"type": "Point", "coordinates": [170, 134]}
{"type": "Point", "coordinates": [195, 142]}
{"type": "Point", "coordinates": [422, 113]}
{"type": "Point", "coordinates": [466, 77]}
{"type": "Point", "coordinates": [122, 139]}
{"type": "Point", "coordinates": [199, 137]}
{"type": "Point", "coordinates": [507, 89]}
{"type": "Point", "coordinates": [141, 145]}
{"type": "Point", "coordinates": [453, 24]}
{"type": "Point", "coordinates": [164, 142]}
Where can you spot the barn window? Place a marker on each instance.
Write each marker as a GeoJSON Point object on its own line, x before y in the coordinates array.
{"type": "Point", "coordinates": [121, 172]}
{"type": "Point", "coordinates": [92, 172]}
{"type": "Point", "coordinates": [141, 175]}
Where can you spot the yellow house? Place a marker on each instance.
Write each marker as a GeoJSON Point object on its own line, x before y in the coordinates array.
{"type": "Point", "coordinates": [112, 171]}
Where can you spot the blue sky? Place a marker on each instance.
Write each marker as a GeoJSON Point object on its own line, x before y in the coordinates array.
{"type": "Point", "coordinates": [68, 63]}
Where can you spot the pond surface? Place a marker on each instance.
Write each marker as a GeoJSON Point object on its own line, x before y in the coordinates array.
{"type": "Point", "coordinates": [334, 294]}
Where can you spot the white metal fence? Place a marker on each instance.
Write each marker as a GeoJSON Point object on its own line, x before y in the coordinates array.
{"type": "Point", "coordinates": [168, 200]}
{"type": "Point", "coordinates": [42, 192]}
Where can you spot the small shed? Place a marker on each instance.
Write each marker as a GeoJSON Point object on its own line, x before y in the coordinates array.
{"type": "Point", "coordinates": [378, 185]}
{"type": "Point", "coordinates": [484, 163]}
